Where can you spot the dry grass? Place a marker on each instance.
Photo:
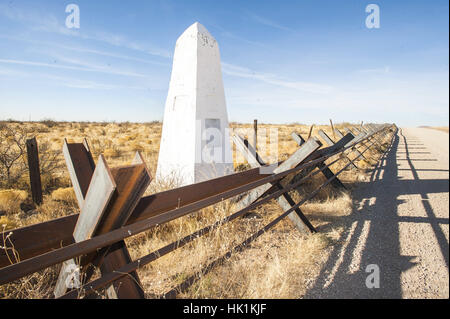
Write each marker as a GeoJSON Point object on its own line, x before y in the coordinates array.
{"type": "Point", "coordinates": [440, 128]}
{"type": "Point", "coordinates": [66, 194]}
{"type": "Point", "coordinates": [287, 260]}
{"type": "Point", "coordinates": [10, 199]}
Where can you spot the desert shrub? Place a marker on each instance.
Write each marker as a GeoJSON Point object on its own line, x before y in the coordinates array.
{"type": "Point", "coordinates": [49, 122]}
{"type": "Point", "coordinates": [13, 156]}
{"type": "Point", "coordinates": [12, 153]}
{"type": "Point", "coordinates": [10, 199]}
{"type": "Point", "coordinates": [49, 160]}
{"type": "Point", "coordinates": [124, 124]}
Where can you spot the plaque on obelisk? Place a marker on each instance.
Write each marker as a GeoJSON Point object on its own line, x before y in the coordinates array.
{"type": "Point", "coordinates": [195, 142]}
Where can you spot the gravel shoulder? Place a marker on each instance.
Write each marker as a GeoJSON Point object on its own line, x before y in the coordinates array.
{"type": "Point", "coordinates": [399, 223]}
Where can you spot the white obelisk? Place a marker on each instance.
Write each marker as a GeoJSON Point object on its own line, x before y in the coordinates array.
{"type": "Point", "coordinates": [195, 144]}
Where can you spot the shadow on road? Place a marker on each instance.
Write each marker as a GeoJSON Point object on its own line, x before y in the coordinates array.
{"type": "Point", "coordinates": [372, 232]}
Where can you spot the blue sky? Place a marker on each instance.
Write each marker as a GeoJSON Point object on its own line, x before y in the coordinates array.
{"type": "Point", "coordinates": [282, 62]}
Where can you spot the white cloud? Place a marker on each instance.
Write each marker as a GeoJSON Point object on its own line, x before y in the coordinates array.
{"type": "Point", "coordinates": [113, 55]}
{"type": "Point", "coordinates": [83, 50]}
{"type": "Point", "coordinates": [412, 99]}
{"type": "Point", "coordinates": [82, 66]}
{"type": "Point", "coordinates": [267, 22]}
{"type": "Point", "coordinates": [228, 34]}
{"type": "Point", "coordinates": [273, 79]}
{"type": "Point", "coordinates": [49, 23]}
{"type": "Point", "coordinates": [65, 81]}
{"type": "Point", "coordinates": [122, 41]}
{"type": "Point", "coordinates": [383, 70]}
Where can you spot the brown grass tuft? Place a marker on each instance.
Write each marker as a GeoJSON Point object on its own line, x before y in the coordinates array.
{"type": "Point", "coordinates": [66, 194]}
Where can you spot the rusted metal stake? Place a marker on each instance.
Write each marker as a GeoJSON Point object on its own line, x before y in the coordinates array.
{"type": "Point", "coordinates": [255, 137]}
{"type": "Point", "coordinates": [310, 132]}
{"type": "Point", "coordinates": [332, 129]}
{"type": "Point", "coordinates": [33, 168]}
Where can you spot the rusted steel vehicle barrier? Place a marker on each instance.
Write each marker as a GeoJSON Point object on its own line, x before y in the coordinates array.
{"type": "Point", "coordinates": [112, 208]}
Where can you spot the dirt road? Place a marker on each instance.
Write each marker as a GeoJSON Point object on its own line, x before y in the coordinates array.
{"type": "Point", "coordinates": [399, 224]}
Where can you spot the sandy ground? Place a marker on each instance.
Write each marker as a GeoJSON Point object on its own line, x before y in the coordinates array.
{"type": "Point", "coordinates": [400, 224]}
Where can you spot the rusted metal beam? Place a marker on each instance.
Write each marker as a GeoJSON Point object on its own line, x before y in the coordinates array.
{"type": "Point", "coordinates": [142, 261]}
{"type": "Point", "coordinates": [332, 128]}
{"type": "Point", "coordinates": [122, 188]}
{"type": "Point", "coordinates": [101, 282]}
{"type": "Point", "coordinates": [97, 198]}
{"type": "Point", "coordinates": [330, 142]}
{"type": "Point", "coordinates": [358, 138]}
{"type": "Point", "coordinates": [28, 242]}
{"type": "Point", "coordinates": [58, 255]}
{"type": "Point", "coordinates": [326, 138]}
{"type": "Point", "coordinates": [298, 138]}
{"type": "Point", "coordinates": [80, 165]}
{"type": "Point", "coordinates": [323, 152]}
{"type": "Point", "coordinates": [36, 239]}
{"type": "Point", "coordinates": [368, 131]}
{"type": "Point", "coordinates": [285, 201]}
{"type": "Point", "coordinates": [355, 139]}
{"type": "Point", "coordinates": [156, 204]}
{"type": "Point", "coordinates": [132, 181]}
{"type": "Point", "coordinates": [255, 134]}
{"type": "Point", "coordinates": [310, 131]}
